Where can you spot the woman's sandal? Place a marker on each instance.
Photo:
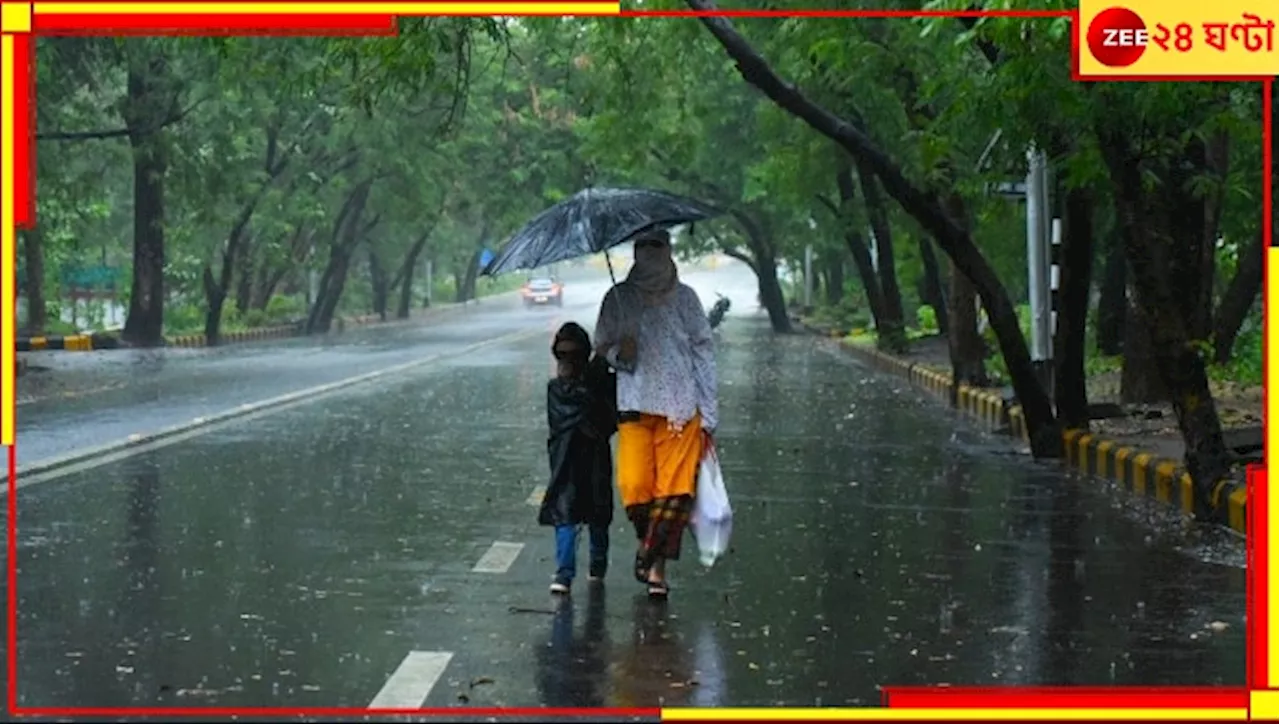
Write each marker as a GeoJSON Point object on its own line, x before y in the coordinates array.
{"type": "Point", "coordinates": [641, 570]}
{"type": "Point", "coordinates": [658, 589]}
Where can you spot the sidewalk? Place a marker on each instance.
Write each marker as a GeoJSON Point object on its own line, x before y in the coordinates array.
{"type": "Point", "coordinates": [1148, 465]}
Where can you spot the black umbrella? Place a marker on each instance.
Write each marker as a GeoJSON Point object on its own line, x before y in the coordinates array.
{"type": "Point", "coordinates": [593, 221]}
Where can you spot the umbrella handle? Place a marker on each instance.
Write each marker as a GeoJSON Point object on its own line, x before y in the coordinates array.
{"type": "Point", "coordinates": [617, 297]}
{"type": "Point", "coordinates": [614, 280]}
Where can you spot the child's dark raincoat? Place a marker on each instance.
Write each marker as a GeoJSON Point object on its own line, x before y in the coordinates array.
{"type": "Point", "coordinates": [581, 418]}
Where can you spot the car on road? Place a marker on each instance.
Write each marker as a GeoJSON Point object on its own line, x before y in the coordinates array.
{"type": "Point", "coordinates": [539, 291]}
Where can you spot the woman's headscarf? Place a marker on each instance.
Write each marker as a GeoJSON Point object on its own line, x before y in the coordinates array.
{"type": "Point", "coordinates": [654, 272]}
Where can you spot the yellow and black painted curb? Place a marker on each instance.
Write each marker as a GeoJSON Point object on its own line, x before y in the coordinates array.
{"type": "Point", "coordinates": [99, 341]}
{"type": "Point", "coordinates": [248, 335]}
{"type": "Point", "coordinates": [279, 332]}
{"type": "Point", "coordinates": [70, 343]}
{"type": "Point", "coordinates": [1155, 477]}
{"type": "Point", "coordinates": [1141, 472]}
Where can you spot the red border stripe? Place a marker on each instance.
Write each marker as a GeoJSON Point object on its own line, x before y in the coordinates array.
{"type": "Point", "coordinates": [1256, 600]}
{"type": "Point", "coordinates": [24, 141]}
{"type": "Point", "coordinates": [1067, 697]}
{"type": "Point", "coordinates": [1256, 564]}
{"type": "Point", "coordinates": [869, 13]}
{"type": "Point", "coordinates": [11, 547]}
{"type": "Point", "coordinates": [454, 713]}
{"type": "Point", "coordinates": [216, 25]}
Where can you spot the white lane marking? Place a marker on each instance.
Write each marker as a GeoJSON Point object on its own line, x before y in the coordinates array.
{"type": "Point", "coordinates": [535, 498]}
{"type": "Point", "coordinates": [498, 558]}
{"type": "Point", "coordinates": [412, 680]}
{"type": "Point", "coordinates": [87, 458]}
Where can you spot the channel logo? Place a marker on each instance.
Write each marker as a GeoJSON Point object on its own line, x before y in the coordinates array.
{"type": "Point", "coordinates": [1117, 37]}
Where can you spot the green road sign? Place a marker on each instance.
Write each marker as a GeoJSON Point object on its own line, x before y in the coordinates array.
{"type": "Point", "coordinates": [91, 277]}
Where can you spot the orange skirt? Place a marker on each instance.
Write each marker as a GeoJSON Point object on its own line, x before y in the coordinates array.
{"type": "Point", "coordinates": [656, 462]}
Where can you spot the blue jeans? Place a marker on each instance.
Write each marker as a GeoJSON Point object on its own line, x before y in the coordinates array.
{"type": "Point", "coordinates": [567, 550]}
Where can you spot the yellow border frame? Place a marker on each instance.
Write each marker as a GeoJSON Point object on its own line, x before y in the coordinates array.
{"type": "Point", "coordinates": [16, 17]}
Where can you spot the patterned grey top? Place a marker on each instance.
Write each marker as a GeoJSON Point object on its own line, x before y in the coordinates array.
{"type": "Point", "coordinates": [674, 374]}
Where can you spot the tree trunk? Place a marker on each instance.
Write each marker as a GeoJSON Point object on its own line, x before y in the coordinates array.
{"type": "Point", "coordinates": [215, 296]}
{"type": "Point", "coordinates": [144, 325]}
{"type": "Point", "coordinates": [466, 279]}
{"type": "Point", "coordinates": [1140, 382]}
{"type": "Point", "coordinates": [759, 241]}
{"type": "Point", "coordinates": [467, 285]}
{"type": "Point", "coordinates": [891, 328]}
{"type": "Point", "coordinates": [1112, 299]}
{"type": "Point", "coordinates": [299, 249]}
{"type": "Point", "coordinates": [1236, 301]}
{"type": "Point", "coordinates": [771, 296]}
{"type": "Point", "coordinates": [857, 246]}
{"type": "Point", "coordinates": [968, 350]}
{"type": "Point", "coordinates": [1075, 268]}
{"type": "Point", "coordinates": [244, 268]}
{"type": "Point", "coordinates": [33, 285]}
{"type": "Point", "coordinates": [1163, 229]}
{"type": "Point", "coordinates": [380, 285]}
{"type": "Point", "coordinates": [262, 277]}
{"type": "Point", "coordinates": [1043, 429]}
{"type": "Point", "coordinates": [833, 278]}
{"type": "Point", "coordinates": [233, 252]}
{"type": "Point", "coordinates": [1216, 152]}
{"type": "Point", "coordinates": [931, 292]}
{"type": "Point", "coordinates": [964, 341]}
{"type": "Point", "coordinates": [458, 294]}
{"type": "Point", "coordinates": [426, 296]}
{"type": "Point", "coordinates": [346, 236]}
{"type": "Point", "coordinates": [407, 269]}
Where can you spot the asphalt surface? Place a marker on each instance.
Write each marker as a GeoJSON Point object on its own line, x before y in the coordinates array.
{"type": "Point", "coordinates": [81, 399]}
{"type": "Point", "coordinates": [302, 558]}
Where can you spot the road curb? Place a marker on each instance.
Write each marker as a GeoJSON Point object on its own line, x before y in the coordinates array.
{"type": "Point", "coordinates": [247, 335]}
{"type": "Point", "coordinates": [100, 341]}
{"type": "Point", "coordinates": [82, 455]}
{"type": "Point", "coordinates": [68, 342]}
{"type": "Point", "coordinates": [1133, 469]}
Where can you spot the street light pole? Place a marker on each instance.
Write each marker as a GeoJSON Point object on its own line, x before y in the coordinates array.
{"type": "Point", "coordinates": [1038, 282]}
{"type": "Point", "coordinates": [808, 277]}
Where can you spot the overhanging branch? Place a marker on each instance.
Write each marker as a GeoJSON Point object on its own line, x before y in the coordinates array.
{"type": "Point", "coordinates": [169, 120]}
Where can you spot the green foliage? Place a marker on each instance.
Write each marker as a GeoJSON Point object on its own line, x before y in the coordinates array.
{"type": "Point", "coordinates": [1246, 366]}
{"type": "Point", "coordinates": [469, 126]}
{"type": "Point", "coordinates": [927, 320]}
{"type": "Point", "coordinates": [849, 315]}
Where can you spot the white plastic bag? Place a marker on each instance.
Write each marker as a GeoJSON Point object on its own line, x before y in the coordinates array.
{"type": "Point", "coordinates": [712, 519]}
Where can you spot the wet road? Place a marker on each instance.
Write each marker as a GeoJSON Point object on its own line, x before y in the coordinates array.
{"type": "Point", "coordinates": [117, 393]}
{"type": "Point", "coordinates": [380, 545]}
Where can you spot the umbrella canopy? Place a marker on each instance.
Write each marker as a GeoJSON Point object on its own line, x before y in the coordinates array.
{"type": "Point", "coordinates": [591, 221]}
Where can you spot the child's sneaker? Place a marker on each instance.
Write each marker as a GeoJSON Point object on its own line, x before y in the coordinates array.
{"type": "Point", "coordinates": [560, 587]}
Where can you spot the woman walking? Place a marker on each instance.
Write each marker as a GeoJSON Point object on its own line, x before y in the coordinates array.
{"type": "Point", "coordinates": [653, 331]}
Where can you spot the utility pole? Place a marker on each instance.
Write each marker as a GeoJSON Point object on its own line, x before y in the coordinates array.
{"type": "Point", "coordinates": [1038, 267]}
{"type": "Point", "coordinates": [808, 277]}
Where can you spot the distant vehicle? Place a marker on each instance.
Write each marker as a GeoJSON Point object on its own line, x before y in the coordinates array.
{"type": "Point", "coordinates": [539, 291]}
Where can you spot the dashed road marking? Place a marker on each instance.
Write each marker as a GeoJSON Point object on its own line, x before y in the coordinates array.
{"type": "Point", "coordinates": [535, 498]}
{"type": "Point", "coordinates": [412, 681]}
{"type": "Point", "coordinates": [498, 558]}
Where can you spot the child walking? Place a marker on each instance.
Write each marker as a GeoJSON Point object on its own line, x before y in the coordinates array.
{"type": "Point", "coordinates": [581, 417]}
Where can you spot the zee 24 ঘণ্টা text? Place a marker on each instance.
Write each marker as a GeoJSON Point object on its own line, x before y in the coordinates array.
{"type": "Point", "coordinates": [1252, 33]}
